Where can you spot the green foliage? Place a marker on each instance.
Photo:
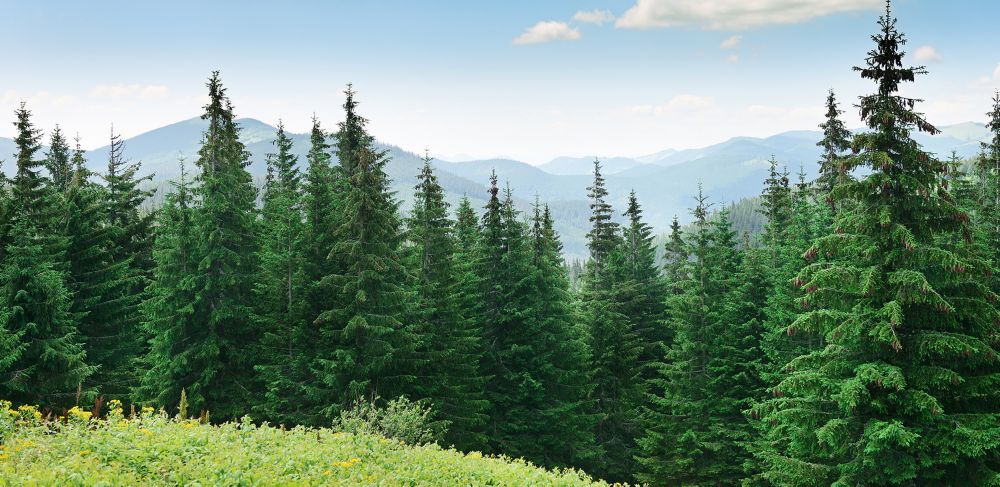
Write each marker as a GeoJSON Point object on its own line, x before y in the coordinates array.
{"type": "Point", "coordinates": [369, 344]}
{"type": "Point", "coordinates": [896, 393]}
{"type": "Point", "coordinates": [280, 288]}
{"type": "Point", "coordinates": [151, 449]}
{"type": "Point", "coordinates": [449, 343]}
{"type": "Point", "coordinates": [47, 361]}
{"type": "Point", "coordinates": [409, 422]}
{"type": "Point", "coordinates": [202, 318]}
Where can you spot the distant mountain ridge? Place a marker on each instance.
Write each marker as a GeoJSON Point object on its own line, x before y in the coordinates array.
{"type": "Point", "coordinates": [664, 181]}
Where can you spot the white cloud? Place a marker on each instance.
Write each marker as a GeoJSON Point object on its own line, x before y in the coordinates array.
{"type": "Point", "coordinates": [548, 31]}
{"type": "Point", "coordinates": [732, 59]}
{"type": "Point", "coordinates": [996, 73]}
{"type": "Point", "coordinates": [594, 16]}
{"type": "Point", "coordinates": [927, 54]}
{"type": "Point", "coordinates": [731, 43]}
{"type": "Point", "coordinates": [733, 14]}
{"type": "Point", "coordinates": [686, 104]}
{"type": "Point", "coordinates": [138, 91]}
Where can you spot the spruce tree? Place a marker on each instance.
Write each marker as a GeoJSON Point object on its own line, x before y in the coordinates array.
{"type": "Point", "coordinates": [207, 347]}
{"type": "Point", "coordinates": [283, 365]}
{"type": "Point", "coordinates": [901, 392]}
{"type": "Point", "coordinates": [641, 287]}
{"type": "Point", "coordinates": [367, 345]}
{"type": "Point", "coordinates": [57, 161]}
{"type": "Point", "coordinates": [677, 446]}
{"type": "Point", "coordinates": [988, 214]}
{"type": "Point", "coordinates": [449, 342]}
{"type": "Point", "coordinates": [104, 304]}
{"type": "Point", "coordinates": [127, 195]}
{"type": "Point", "coordinates": [322, 202]}
{"type": "Point", "coordinates": [614, 343]}
{"type": "Point", "coordinates": [35, 303]}
{"type": "Point", "coordinates": [176, 333]}
{"type": "Point", "coordinates": [835, 142]}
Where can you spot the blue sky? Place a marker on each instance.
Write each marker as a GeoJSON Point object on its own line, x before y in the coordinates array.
{"type": "Point", "coordinates": [525, 79]}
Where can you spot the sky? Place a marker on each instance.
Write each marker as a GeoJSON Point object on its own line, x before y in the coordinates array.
{"type": "Point", "coordinates": [524, 79]}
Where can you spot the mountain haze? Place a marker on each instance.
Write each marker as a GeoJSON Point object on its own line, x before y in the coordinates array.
{"type": "Point", "coordinates": [664, 181]}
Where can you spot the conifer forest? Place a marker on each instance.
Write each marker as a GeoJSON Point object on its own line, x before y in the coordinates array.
{"type": "Point", "coordinates": [853, 340]}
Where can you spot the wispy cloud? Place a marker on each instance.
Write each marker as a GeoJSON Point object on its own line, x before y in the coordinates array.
{"type": "Point", "coordinates": [927, 54]}
{"type": "Point", "coordinates": [733, 14]}
{"type": "Point", "coordinates": [548, 31]}
{"type": "Point", "coordinates": [731, 43]}
{"type": "Point", "coordinates": [594, 16]}
{"type": "Point", "coordinates": [137, 91]}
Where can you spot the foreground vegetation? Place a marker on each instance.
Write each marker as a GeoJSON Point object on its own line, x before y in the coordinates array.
{"type": "Point", "coordinates": [152, 449]}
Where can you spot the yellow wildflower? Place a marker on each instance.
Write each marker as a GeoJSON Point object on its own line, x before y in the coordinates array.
{"type": "Point", "coordinates": [147, 410]}
{"type": "Point", "coordinates": [3, 456]}
{"type": "Point", "coordinates": [145, 432]}
{"type": "Point", "coordinates": [475, 454]}
{"type": "Point", "coordinates": [29, 411]}
{"type": "Point", "coordinates": [76, 413]}
{"type": "Point", "coordinates": [84, 453]}
{"type": "Point", "coordinates": [327, 472]}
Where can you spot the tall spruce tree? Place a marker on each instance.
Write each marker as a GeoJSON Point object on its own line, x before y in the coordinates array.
{"type": "Point", "coordinates": [48, 366]}
{"type": "Point", "coordinates": [988, 214]}
{"type": "Point", "coordinates": [322, 201]}
{"type": "Point", "coordinates": [283, 365]}
{"type": "Point", "coordinates": [176, 334]}
{"type": "Point", "coordinates": [368, 347]}
{"type": "Point", "coordinates": [614, 343]}
{"type": "Point", "coordinates": [677, 445]}
{"type": "Point", "coordinates": [532, 359]}
{"type": "Point", "coordinates": [208, 356]}
{"type": "Point", "coordinates": [104, 304]}
{"type": "Point", "coordinates": [641, 286]}
{"type": "Point", "coordinates": [902, 391]}
{"type": "Point", "coordinates": [449, 342]}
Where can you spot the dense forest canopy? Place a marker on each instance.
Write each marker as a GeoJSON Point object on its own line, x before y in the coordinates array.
{"type": "Point", "coordinates": [836, 331]}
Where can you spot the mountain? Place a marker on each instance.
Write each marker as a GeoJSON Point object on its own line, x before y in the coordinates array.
{"type": "Point", "coordinates": [664, 182]}
{"type": "Point", "coordinates": [585, 165]}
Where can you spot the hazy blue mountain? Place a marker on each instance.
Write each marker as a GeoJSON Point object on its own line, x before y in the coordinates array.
{"type": "Point", "coordinates": [585, 165]}
{"type": "Point", "coordinates": [664, 181]}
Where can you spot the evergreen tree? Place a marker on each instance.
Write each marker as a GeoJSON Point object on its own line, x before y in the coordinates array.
{"type": "Point", "coordinates": [449, 343]}
{"type": "Point", "coordinates": [322, 202]}
{"type": "Point", "coordinates": [988, 215]}
{"type": "Point", "coordinates": [57, 161]}
{"type": "Point", "coordinates": [675, 257]}
{"type": "Point", "coordinates": [50, 365]}
{"type": "Point", "coordinates": [368, 348]}
{"type": "Point", "coordinates": [206, 353]}
{"type": "Point", "coordinates": [901, 393]}
{"type": "Point", "coordinates": [279, 288]}
{"type": "Point", "coordinates": [835, 141]}
{"type": "Point", "coordinates": [534, 360]}
{"type": "Point", "coordinates": [104, 305]}
{"type": "Point", "coordinates": [614, 342]}
{"type": "Point", "coordinates": [677, 445]}
{"type": "Point", "coordinates": [641, 288]}
{"type": "Point", "coordinates": [126, 197]}
{"type": "Point", "coordinates": [175, 332]}
{"type": "Point", "coordinates": [603, 237]}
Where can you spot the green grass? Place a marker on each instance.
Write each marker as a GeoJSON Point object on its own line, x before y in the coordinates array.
{"type": "Point", "coordinates": [154, 449]}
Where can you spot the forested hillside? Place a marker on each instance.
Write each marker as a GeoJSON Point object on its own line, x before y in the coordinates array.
{"type": "Point", "coordinates": [839, 328]}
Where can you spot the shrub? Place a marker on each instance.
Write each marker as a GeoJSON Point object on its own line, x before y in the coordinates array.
{"type": "Point", "coordinates": [400, 419]}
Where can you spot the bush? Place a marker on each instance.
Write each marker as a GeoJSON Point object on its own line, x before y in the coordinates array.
{"type": "Point", "coordinates": [400, 419]}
